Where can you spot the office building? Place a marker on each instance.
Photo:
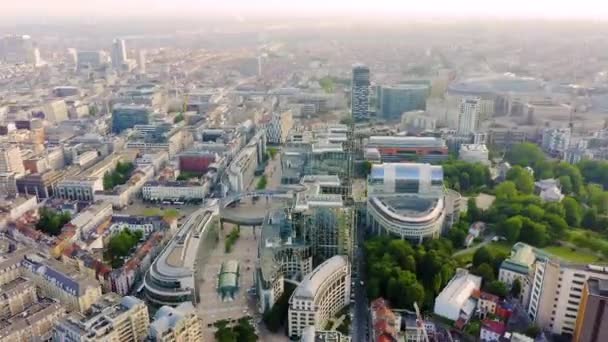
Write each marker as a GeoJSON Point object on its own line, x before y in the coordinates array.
{"type": "Point", "coordinates": [417, 121]}
{"type": "Point", "coordinates": [196, 161]}
{"type": "Point", "coordinates": [556, 141]}
{"type": "Point", "coordinates": [176, 324]}
{"type": "Point", "coordinates": [16, 49]}
{"type": "Point", "coordinates": [393, 101]}
{"type": "Point", "coordinates": [119, 53]}
{"type": "Point", "coordinates": [360, 93]}
{"type": "Point", "coordinates": [398, 149]}
{"type": "Point", "coordinates": [592, 320]}
{"type": "Point", "coordinates": [8, 184]}
{"type": "Point", "coordinates": [56, 111]}
{"type": "Point", "coordinates": [408, 200]}
{"type": "Point", "coordinates": [282, 256]}
{"type": "Point", "coordinates": [468, 116]}
{"type": "Point", "coordinates": [111, 318]}
{"type": "Point", "coordinates": [10, 160]}
{"type": "Point", "coordinates": [171, 278]}
{"type": "Point", "coordinates": [90, 59]}
{"type": "Point", "coordinates": [556, 289]}
{"type": "Point", "coordinates": [174, 191]}
{"type": "Point", "coordinates": [78, 188]}
{"type": "Point", "coordinates": [141, 61]}
{"type": "Point", "coordinates": [320, 296]}
{"type": "Point", "coordinates": [127, 116]}
{"type": "Point", "coordinates": [40, 185]}
{"type": "Point", "coordinates": [505, 139]}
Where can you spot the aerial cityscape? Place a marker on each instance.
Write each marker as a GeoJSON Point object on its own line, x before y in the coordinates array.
{"type": "Point", "coordinates": [303, 173]}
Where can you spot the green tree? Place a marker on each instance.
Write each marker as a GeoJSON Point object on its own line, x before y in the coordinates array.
{"type": "Point", "coordinates": [590, 219]}
{"type": "Point", "coordinates": [367, 168]}
{"type": "Point", "coordinates": [497, 287]}
{"type": "Point", "coordinates": [178, 118]}
{"type": "Point", "coordinates": [534, 212]}
{"type": "Point", "coordinates": [556, 208]}
{"type": "Point", "coordinates": [485, 271]}
{"type": "Point", "coordinates": [511, 228]}
{"type": "Point", "coordinates": [524, 181]}
{"type": "Point", "coordinates": [244, 331]}
{"type": "Point", "coordinates": [516, 288]}
{"type": "Point", "coordinates": [566, 184]}
{"type": "Point", "coordinates": [473, 212]}
{"type": "Point", "coordinates": [457, 237]}
{"type": "Point", "coordinates": [557, 226]}
{"type": "Point", "coordinates": [482, 255]}
{"type": "Point", "coordinates": [525, 154]}
{"type": "Point", "coordinates": [506, 190]}
{"type": "Point", "coordinates": [573, 210]}
{"type": "Point", "coordinates": [532, 331]}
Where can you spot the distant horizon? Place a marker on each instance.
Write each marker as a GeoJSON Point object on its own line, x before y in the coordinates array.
{"type": "Point", "coordinates": [243, 10]}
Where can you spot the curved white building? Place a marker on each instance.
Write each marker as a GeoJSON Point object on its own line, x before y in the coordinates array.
{"type": "Point", "coordinates": [320, 296]}
{"type": "Point", "coordinates": [409, 200]}
{"type": "Point", "coordinates": [409, 217]}
{"type": "Point", "coordinates": [171, 278]}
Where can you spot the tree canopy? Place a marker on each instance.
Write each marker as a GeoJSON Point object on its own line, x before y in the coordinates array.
{"type": "Point", "coordinates": [404, 274]}
{"type": "Point", "coordinates": [51, 221]}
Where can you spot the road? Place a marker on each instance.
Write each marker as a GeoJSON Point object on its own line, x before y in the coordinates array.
{"type": "Point", "coordinates": [485, 241]}
{"type": "Point", "coordinates": [360, 322]}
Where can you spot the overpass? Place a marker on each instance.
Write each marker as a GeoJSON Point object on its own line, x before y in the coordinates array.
{"type": "Point", "coordinates": [252, 214]}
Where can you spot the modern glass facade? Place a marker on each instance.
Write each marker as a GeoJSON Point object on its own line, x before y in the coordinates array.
{"type": "Point", "coordinates": [124, 117]}
{"type": "Point", "coordinates": [393, 101]}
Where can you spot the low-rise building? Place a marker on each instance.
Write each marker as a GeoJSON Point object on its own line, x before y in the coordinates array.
{"type": "Point", "coordinates": [549, 190]}
{"type": "Point", "coordinates": [492, 330]}
{"type": "Point", "coordinates": [474, 153]}
{"type": "Point", "coordinates": [111, 318]}
{"type": "Point", "coordinates": [455, 300]}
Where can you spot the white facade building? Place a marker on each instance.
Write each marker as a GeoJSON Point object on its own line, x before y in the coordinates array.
{"type": "Point", "coordinates": [11, 160]}
{"type": "Point", "coordinates": [320, 296]}
{"type": "Point", "coordinates": [556, 140]}
{"type": "Point", "coordinates": [455, 300]}
{"type": "Point", "coordinates": [174, 191]}
{"type": "Point", "coordinates": [468, 116]}
{"type": "Point", "coordinates": [556, 291]}
{"type": "Point", "coordinates": [474, 153]}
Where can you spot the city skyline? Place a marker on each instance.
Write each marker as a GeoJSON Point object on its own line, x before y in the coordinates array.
{"type": "Point", "coordinates": [241, 10]}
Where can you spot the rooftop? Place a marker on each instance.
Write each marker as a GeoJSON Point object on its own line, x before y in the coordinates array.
{"type": "Point", "coordinates": [312, 282]}
{"type": "Point", "coordinates": [404, 141]}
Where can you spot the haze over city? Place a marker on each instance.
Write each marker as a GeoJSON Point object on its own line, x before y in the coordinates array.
{"type": "Point", "coordinates": [316, 171]}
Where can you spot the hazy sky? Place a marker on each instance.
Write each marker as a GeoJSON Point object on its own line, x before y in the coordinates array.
{"type": "Point", "coordinates": [576, 9]}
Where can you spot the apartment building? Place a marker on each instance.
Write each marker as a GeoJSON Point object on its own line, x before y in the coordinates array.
{"type": "Point", "coordinates": [176, 324]}
{"type": "Point", "coordinates": [111, 318]}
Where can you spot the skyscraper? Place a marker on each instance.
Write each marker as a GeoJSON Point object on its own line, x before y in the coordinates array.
{"type": "Point", "coordinates": [468, 116]}
{"type": "Point", "coordinates": [119, 53]}
{"type": "Point", "coordinates": [360, 93]}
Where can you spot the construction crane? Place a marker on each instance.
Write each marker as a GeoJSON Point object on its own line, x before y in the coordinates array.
{"type": "Point", "coordinates": [420, 322]}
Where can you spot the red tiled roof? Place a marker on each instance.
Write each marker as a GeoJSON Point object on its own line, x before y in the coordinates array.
{"type": "Point", "coordinates": [494, 326]}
